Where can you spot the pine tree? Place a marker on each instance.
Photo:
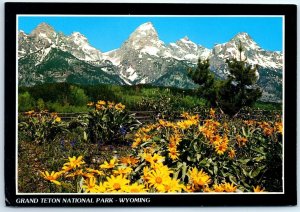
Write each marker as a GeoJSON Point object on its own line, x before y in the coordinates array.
{"type": "Point", "coordinates": [239, 89]}
{"type": "Point", "coordinates": [203, 76]}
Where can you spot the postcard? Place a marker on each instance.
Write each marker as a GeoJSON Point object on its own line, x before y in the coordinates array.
{"type": "Point", "coordinates": [150, 104]}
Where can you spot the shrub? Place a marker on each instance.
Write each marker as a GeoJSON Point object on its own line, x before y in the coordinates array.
{"type": "Point", "coordinates": [109, 123]}
{"type": "Point", "coordinates": [40, 126]}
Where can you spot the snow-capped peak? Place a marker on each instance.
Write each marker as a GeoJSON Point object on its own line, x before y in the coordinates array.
{"type": "Point", "coordinates": [246, 41]}
{"type": "Point", "coordinates": [146, 27]}
{"type": "Point", "coordinates": [243, 35]}
{"type": "Point", "coordinates": [144, 38]}
{"type": "Point", "coordinates": [43, 29]}
{"type": "Point", "coordinates": [146, 30]}
{"type": "Point", "coordinates": [78, 35]}
{"type": "Point", "coordinates": [78, 38]}
{"type": "Point", "coordinates": [185, 39]}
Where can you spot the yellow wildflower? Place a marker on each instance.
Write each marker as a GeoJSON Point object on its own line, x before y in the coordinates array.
{"type": "Point", "coordinates": [122, 170]}
{"type": "Point", "coordinates": [156, 158]}
{"type": "Point", "coordinates": [207, 132]}
{"type": "Point", "coordinates": [221, 148]}
{"type": "Point", "coordinates": [216, 140]}
{"type": "Point", "coordinates": [136, 142]}
{"type": "Point", "coordinates": [81, 173]}
{"type": "Point", "coordinates": [129, 161]}
{"type": "Point", "coordinates": [218, 188]}
{"type": "Point", "coordinates": [258, 189]}
{"type": "Point", "coordinates": [279, 127]}
{"type": "Point", "coordinates": [116, 184]}
{"type": "Point", "coordinates": [100, 107]}
{"type": "Point", "coordinates": [100, 173]}
{"type": "Point", "coordinates": [185, 124]}
{"type": "Point", "coordinates": [112, 163]}
{"type": "Point", "coordinates": [101, 102]}
{"type": "Point", "coordinates": [231, 153]}
{"type": "Point", "coordinates": [101, 188]}
{"type": "Point", "coordinates": [241, 140]}
{"type": "Point", "coordinates": [73, 163]}
{"type": "Point", "coordinates": [52, 177]}
{"type": "Point", "coordinates": [250, 122]}
{"type": "Point", "coordinates": [57, 119]}
{"type": "Point", "coordinates": [53, 115]}
{"type": "Point", "coordinates": [146, 172]}
{"type": "Point", "coordinates": [90, 185]}
{"type": "Point", "coordinates": [173, 153]}
{"type": "Point", "coordinates": [119, 107]}
{"type": "Point", "coordinates": [175, 139]}
{"type": "Point", "coordinates": [172, 185]}
{"type": "Point", "coordinates": [229, 187]}
{"type": "Point", "coordinates": [90, 104]}
{"type": "Point", "coordinates": [110, 104]}
{"type": "Point", "coordinates": [207, 189]}
{"type": "Point", "coordinates": [157, 179]}
{"type": "Point", "coordinates": [199, 178]}
{"type": "Point", "coordinates": [29, 113]}
{"type": "Point", "coordinates": [136, 188]}
{"type": "Point", "coordinates": [185, 115]}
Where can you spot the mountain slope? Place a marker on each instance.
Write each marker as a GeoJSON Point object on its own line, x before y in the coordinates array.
{"type": "Point", "coordinates": [60, 66]}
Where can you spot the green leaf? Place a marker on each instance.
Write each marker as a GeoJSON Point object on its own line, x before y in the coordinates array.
{"type": "Point", "coordinates": [232, 179]}
{"type": "Point", "coordinates": [215, 169]}
{"type": "Point", "coordinates": [259, 150]}
{"type": "Point", "coordinates": [245, 172]}
{"type": "Point", "coordinates": [203, 162]}
{"type": "Point", "coordinates": [244, 133]}
{"type": "Point", "coordinates": [258, 159]}
{"type": "Point", "coordinates": [256, 171]}
{"type": "Point", "coordinates": [84, 136]}
{"type": "Point", "coordinates": [139, 167]}
{"type": "Point", "coordinates": [184, 168]}
{"type": "Point", "coordinates": [244, 161]}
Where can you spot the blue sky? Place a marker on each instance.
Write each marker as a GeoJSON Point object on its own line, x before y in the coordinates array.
{"type": "Point", "coordinates": [108, 33]}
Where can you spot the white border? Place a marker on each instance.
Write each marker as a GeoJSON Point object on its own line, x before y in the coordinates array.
{"type": "Point", "coordinates": [162, 16]}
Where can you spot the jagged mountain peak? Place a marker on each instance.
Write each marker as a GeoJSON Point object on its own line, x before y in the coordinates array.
{"type": "Point", "coordinates": [145, 30]}
{"type": "Point", "coordinates": [185, 38]}
{"type": "Point", "coordinates": [79, 38]}
{"type": "Point", "coordinates": [43, 28]}
{"type": "Point", "coordinates": [243, 35]}
{"type": "Point", "coordinates": [246, 41]}
{"type": "Point", "coordinates": [148, 26]}
{"type": "Point", "coordinates": [144, 37]}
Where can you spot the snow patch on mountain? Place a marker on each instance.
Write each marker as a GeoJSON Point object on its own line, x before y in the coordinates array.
{"type": "Point", "coordinates": [151, 50]}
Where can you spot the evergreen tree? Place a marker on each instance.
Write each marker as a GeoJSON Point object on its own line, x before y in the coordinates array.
{"type": "Point", "coordinates": [239, 89]}
{"type": "Point", "coordinates": [203, 76]}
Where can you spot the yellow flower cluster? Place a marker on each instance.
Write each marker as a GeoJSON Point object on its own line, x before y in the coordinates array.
{"type": "Point", "coordinates": [175, 130]}
{"type": "Point", "coordinates": [266, 127]}
{"type": "Point", "coordinates": [210, 130]}
{"type": "Point", "coordinates": [223, 187]}
{"type": "Point", "coordinates": [42, 114]}
{"type": "Point", "coordinates": [103, 105]}
{"type": "Point", "coordinates": [114, 176]}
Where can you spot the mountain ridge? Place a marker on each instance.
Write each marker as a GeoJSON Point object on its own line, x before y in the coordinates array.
{"type": "Point", "coordinates": [144, 59]}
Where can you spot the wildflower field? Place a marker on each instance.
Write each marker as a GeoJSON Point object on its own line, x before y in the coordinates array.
{"type": "Point", "coordinates": [108, 150]}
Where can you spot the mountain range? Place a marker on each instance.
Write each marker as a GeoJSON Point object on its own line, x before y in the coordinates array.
{"type": "Point", "coordinates": [45, 55]}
